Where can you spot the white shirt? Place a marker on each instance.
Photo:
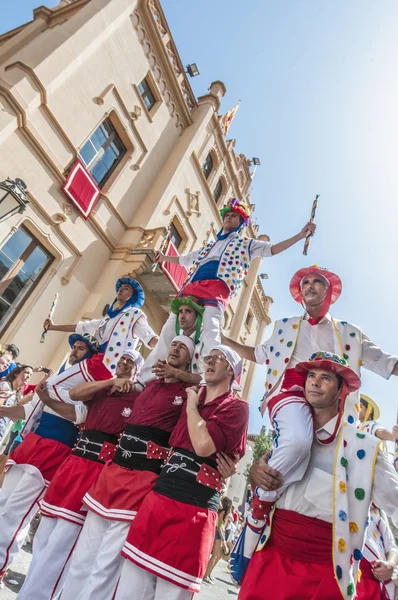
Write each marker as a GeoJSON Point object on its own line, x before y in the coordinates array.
{"type": "Point", "coordinates": [257, 248]}
{"type": "Point", "coordinates": [312, 496]}
{"type": "Point", "coordinates": [101, 329]}
{"type": "Point", "coordinates": [316, 338]}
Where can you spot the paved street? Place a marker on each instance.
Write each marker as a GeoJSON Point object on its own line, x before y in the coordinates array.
{"type": "Point", "coordinates": [223, 589]}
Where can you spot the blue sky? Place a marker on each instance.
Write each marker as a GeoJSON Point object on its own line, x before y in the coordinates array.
{"type": "Point", "coordinates": [319, 92]}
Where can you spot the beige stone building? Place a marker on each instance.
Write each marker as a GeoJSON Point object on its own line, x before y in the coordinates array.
{"type": "Point", "coordinates": [101, 82]}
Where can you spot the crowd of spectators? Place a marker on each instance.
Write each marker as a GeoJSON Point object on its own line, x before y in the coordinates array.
{"type": "Point", "coordinates": [15, 388]}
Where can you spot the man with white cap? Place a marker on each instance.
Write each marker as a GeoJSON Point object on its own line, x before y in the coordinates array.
{"type": "Point", "coordinates": [109, 403]}
{"type": "Point", "coordinates": [170, 540]}
{"type": "Point", "coordinates": [115, 497]}
{"type": "Point", "coordinates": [292, 341]}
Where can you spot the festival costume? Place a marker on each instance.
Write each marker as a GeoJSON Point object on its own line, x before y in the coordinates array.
{"type": "Point", "coordinates": [48, 440]}
{"type": "Point", "coordinates": [321, 520]}
{"type": "Point", "coordinates": [292, 341]}
{"type": "Point", "coordinates": [117, 494]}
{"type": "Point", "coordinates": [379, 542]}
{"type": "Point", "coordinates": [182, 507]}
{"type": "Point", "coordinates": [216, 273]}
{"type": "Point", "coordinates": [62, 509]}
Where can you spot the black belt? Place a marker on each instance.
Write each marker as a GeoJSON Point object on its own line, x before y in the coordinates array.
{"type": "Point", "coordinates": [96, 445]}
{"type": "Point", "coordinates": [190, 479]}
{"type": "Point", "coordinates": [142, 448]}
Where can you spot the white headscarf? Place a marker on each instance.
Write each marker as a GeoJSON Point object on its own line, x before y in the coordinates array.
{"type": "Point", "coordinates": [187, 341]}
{"type": "Point", "coordinates": [236, 363]}
{"type": "Point", "coordinates": [137, 358]}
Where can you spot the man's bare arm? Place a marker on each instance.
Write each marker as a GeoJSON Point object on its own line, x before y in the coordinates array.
{"type": "Point", "coordinates": [163, 370]}
{"type": "Point", "coordinates": [50, 326]}
{"type": "Point", "coordinates": [243, 350]}
{"type": "Point", "coordinates": [67, 411]}
{"type": "Point", "coordinates": [263, 476]}
{"type": "Point", "coordinates": [201, 440]}
{"type": "Point", "coordinates": [12, 412]}
{"type": "Point", "coordinates": [86, 391]}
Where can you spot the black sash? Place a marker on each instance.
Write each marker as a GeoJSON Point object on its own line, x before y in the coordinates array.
{"type": "Point", "coordinates": [131, 452]}
{"type": "Point", "coordinates": [178, 481]}
{"type": "Point", "coordinates": [90, 444]}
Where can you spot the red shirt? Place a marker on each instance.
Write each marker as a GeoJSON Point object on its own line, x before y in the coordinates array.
{"type": "Point", "coordinates": [226, 421]}
{"type": "Point", "coordinates": [110, 414]}
{"type": "Point", "coordinates": [159, 405]}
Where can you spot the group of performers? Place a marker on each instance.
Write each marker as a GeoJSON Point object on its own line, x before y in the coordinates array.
{"type": "Point", "coordinates": [127, 459]}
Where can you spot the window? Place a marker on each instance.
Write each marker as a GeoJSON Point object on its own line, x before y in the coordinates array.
{"type": "Point", "coordinates": [23, 261]}
{"type": "Point", "coordinates": [208, 166]}
{"type": "Point", "coordinates": [103, 152]}
{"type": "Point", "coordinates": [147, 94]}
{"type": "Point", "coordinates": [175, 237]}
{"type": "Point", "coordinates": [217, 191]}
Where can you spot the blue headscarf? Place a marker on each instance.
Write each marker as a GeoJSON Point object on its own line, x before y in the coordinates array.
{"type": "Point", "coordinates": [136, 300]}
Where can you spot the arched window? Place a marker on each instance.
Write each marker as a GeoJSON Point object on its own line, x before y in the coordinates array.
{"type": "Point", "coordinates": [217, 190]}
{"type": "Point", "coordinates": [208, 166]}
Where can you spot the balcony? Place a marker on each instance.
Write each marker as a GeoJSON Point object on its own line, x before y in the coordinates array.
{"type": "Point", "coordinates": [164, 281]}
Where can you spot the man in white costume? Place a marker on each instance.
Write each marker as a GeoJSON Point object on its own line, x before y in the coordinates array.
{"type": "Point", "coordinates": [120, 329]}
{"type": "Point", "coordinates": [292, 340]}
{"type": "Point", "coordinates": [313, 541]}
{"type": "Point", "coordinates": [217, 271]}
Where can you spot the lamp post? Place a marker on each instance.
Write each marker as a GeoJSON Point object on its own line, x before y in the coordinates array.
{"type": "Point", "coordinates": [13, 197]}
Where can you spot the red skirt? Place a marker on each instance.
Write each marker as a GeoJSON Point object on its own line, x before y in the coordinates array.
{"type": "Point", "coordinates": [172, 540]}
{"type": "Point", "coordinates": [118, 493]}
{"type": "Point", "coordinates": [44, 454]}
{"type": "Point", "coordinates": [275, 573]}
{"type": "Point", "coordinates": [64, 497]}
{"type": "Point", "coordinates": [370, 588]}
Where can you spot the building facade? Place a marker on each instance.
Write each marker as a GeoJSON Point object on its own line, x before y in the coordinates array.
{"type": "Point", "coordinates": [99, 120]}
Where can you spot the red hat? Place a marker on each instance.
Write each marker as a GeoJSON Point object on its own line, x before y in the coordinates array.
{"type": "Point", "coordinates": [331, 362]}
{"type": "Point", "coordinates": [333, 279]}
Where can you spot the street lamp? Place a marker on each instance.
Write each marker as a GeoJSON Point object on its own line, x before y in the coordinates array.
{"type": "Point", "coordinates": [192, 70]}
{"type": "Point", "coordinates": [13, 197]}
{"type": "Point", "coordinates": [263, 276]}
{"type": "Point", "coordinates": [256, 162]}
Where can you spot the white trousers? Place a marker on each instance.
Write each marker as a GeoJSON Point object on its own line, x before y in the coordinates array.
{"type": "Point", "coordinates": [19, 499]}
{"type": "Point", "coordinates": [147, 586]}
{"type": "Point", "coordinates": [213, 318]}
{"type": "Point", "coordinates": [292, 446]}
{"type": "Point", "coordinates": [96, 562]}
{"type": "Point", "coordinates": [52, 548]}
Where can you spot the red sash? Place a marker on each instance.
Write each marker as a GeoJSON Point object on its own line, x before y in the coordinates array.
{"type": "Point", "coordinates": [302, 538]}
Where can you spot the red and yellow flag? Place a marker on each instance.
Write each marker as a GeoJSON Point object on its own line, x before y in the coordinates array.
{"type": "Point", "coordinates": [228, 118]}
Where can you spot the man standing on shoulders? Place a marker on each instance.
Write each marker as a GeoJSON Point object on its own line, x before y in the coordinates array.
{"type": "Point", "coordinates": [217, 271]}
{"type": "Point", "coordinates": [171, 537]}
{"type": "Point", "coordinates": [312, 544]}
{"type": "Point", "coordinates": [121, 329]}
{"type": "Point", "coordinates": [110, 404]}
{"type": "Point", "coordinates": [292, 341]}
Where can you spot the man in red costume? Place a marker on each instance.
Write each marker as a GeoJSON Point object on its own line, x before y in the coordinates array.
{"type": "Point", "coordinates": [170, 540]}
